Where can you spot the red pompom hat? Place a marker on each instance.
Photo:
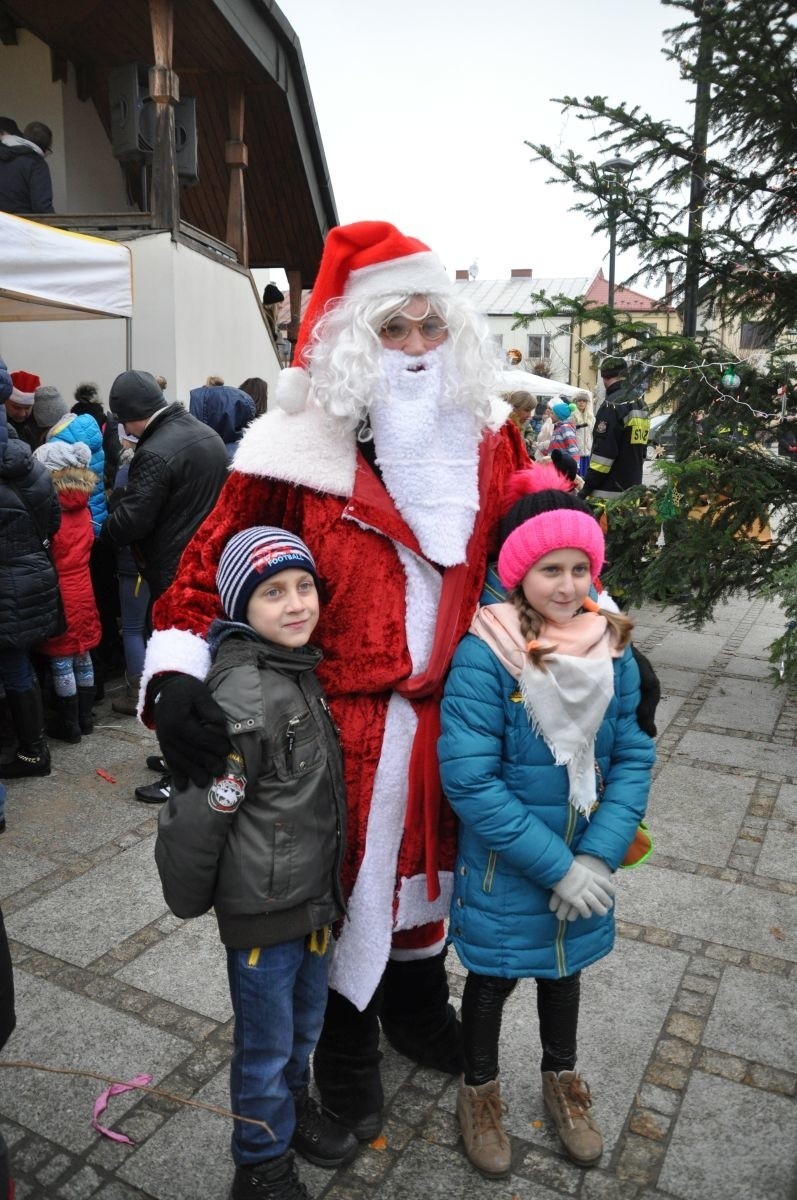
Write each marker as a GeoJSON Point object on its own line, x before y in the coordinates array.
{"type": "Point", "coordinates": [364, 260]}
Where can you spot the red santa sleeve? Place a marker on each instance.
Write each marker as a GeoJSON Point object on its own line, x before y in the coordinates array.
{"type": "Point", "coordinates": [183, 614]}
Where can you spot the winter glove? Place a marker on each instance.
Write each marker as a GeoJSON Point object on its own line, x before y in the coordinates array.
{"type": "Point", "coordinates": [651, 694]}
{"type": "Point", "coordinates": [191, 729]}
{"type": "Point", "coordinates": [582, 891]}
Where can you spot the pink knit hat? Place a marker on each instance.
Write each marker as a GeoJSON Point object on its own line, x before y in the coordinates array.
{"type": "Point", "coordinates": [558, 529]}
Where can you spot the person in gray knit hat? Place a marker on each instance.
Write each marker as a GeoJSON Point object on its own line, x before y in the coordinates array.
{"type": "Point", "coordinates": [48, 406]}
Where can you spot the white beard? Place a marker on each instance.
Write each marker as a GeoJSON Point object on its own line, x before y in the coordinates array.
{"type": "Point", "coordinates": [427, 448]}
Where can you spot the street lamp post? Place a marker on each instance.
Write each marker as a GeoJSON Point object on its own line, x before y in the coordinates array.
{"type": "Point", "coordinates": [614, 170]}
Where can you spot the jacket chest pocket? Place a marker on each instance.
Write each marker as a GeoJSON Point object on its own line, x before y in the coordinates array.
{"type": "Point", "coordinates": [298, 750]}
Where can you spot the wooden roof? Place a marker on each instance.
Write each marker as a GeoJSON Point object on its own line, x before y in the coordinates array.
{"type": "Point", "coordinates": [289, 201]}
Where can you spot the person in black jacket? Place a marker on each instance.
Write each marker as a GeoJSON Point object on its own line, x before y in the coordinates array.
{"type": "Point", "coordinates": [25, 183]}
{"type": "Point", "coordinates": [620, 436]}
{"type": "Point", "coordinates": [29, 596]}
{"type": "Point", "coordinates": [175, 476]}
{"type": "Point", "coordinates": [7, 1022]}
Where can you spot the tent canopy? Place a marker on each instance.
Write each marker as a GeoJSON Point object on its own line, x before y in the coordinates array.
{"type": "Point", "coordinates": [536, 385]}
{"type": "Point", "coordinates": [51, 274]}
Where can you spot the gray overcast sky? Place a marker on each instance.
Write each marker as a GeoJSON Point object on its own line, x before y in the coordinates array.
{"type": "Point", "coordinates": [424, 106]}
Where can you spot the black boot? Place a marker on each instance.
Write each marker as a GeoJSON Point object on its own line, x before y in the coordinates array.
{"type": "Point", "coordinates": [318, 1138]}
{"type": "Point", "coordinates": [65, 727]}
{"type": "Point", "coordinates": [85, 712]}
{"type": "Point", "coordinates": [273, 1179]}
{"type": "Point", "coordinates": [346, 1066]}
{"type": "Point", "coordinates": [416, 1017]}
{"type": "Point", "coordinates": [32, 755]}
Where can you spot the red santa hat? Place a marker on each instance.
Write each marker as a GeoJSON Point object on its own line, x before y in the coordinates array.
{"type": "Point", "coordinates": [25, 385]}
{"type": "Point", "coordinates": [361, 261]}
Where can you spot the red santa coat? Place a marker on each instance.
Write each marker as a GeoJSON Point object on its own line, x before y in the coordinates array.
{"type": "Point", "coordinates": [292, 471]}
{"type": "Point", "coordinates": [71, 551]}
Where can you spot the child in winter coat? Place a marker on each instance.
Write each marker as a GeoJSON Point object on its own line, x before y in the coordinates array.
{"type": "Point", "coordinates": [543, 761]}
{"type": "Point", "coordinates": [264, 846]}
{"type": "Point", "coordinates": [584, 423]}
{"type": "Point", "coordinates": [564, 433]}
{"type": "Point", "coordinates": [70, 652]}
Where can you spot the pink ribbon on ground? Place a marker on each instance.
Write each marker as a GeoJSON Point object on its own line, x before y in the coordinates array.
{"type": "Point", "coordinates": [101, 1103]}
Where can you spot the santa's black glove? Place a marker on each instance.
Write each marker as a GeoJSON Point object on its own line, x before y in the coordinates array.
{"type": "Point", "coordinates": [565, 464]}
{"type": "Point", "coordinates": [651, 693]}
{"type": "Point", "coordinates": [191, 729]}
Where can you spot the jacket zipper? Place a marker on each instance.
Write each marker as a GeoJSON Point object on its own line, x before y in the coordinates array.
{"type": "Point", "coordinates": [290, 739]}
{"type": "Point", "coordinates": [559, 945]}
{"type": "Point", "coordinates": [489, 874]}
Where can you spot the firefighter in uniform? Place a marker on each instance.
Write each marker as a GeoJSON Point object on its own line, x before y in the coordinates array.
{"type": "Point", "coordinates": [620, 437]}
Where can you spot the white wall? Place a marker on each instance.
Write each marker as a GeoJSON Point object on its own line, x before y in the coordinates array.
{"type": "Point", "coordinates": [501, 327]}
{"type": "Point", "coordinates": [86, 176]}
{"type": "Point", "coordinates": [192, 317]}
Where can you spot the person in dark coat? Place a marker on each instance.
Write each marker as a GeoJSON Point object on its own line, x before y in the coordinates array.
{"type": "Point", "coordinates": [70, 652]}
{"type": "Point", "coordinates": [228, 410]}
{"type": "Point", "coordinates": [88, 401]}
{"type": "Point", "coordinates": [19, 407]}
{"type": "Point", "coordinates": [8, 1021]}
{"type": "Point", "coordinates": [29, 596]}
{"type": "Point", "coordinates": [25, 183]}
{"type": "Point", "coordinates": [175, 476]}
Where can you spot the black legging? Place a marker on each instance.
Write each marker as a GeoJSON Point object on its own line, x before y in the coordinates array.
{"type": "Point", "coordinates": [482, 1009]}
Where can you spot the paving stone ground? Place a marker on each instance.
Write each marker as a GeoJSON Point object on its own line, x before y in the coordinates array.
{"type": "Point", "coordinates": [688, 1034]}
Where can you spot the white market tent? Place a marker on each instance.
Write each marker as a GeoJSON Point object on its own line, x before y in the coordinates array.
{"type": "Point", "coordinates": [51, 274]}
{"type": "Point", "coordinates": [535, 385]}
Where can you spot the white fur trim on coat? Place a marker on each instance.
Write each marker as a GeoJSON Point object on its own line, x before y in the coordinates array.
{"type": "Point", "coordinates": [173, 650]}
{"type": "Point", "coordinates": [304, 448]}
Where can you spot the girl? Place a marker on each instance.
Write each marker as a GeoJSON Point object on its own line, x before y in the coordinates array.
{"type": "Point", "coordinates": [584, 421]}
{"type": "Point", "coordinates": [546, 767]}
{"type": "Point", "coordinates": [69, 652]}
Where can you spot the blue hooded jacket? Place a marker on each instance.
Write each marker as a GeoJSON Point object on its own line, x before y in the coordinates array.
{"type": "Point", "coordinates": [83, 428]}
{"type": "Point", "coordinates": [227, 410]}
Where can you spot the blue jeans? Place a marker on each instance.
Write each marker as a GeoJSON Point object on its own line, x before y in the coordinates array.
{"type": "Point", "coordinates": [279, 1004]}
{"type": "Point", "coordinates": [133, 605]}
{"type": "Point", "coordinates": [16, 671]}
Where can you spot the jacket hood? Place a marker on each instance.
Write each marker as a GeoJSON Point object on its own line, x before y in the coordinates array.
{"type": "Point", "coordinates": [74, 485]}
{"type": "Point", "coordinates": [252, 646]}
{"type": "Point", "coordinates": [227, 410]}
{"type": "Point", "coordinates": [12, 146]}
{"type": "Point", "coordinates": [16, 460]}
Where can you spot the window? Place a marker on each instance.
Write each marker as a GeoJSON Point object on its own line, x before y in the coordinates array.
{"type": "Point", "coordinates": [756, 335]}
{"type": "Point", "coordinates": [539, 346]}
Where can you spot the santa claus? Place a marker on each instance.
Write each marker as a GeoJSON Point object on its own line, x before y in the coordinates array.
{"type": "Point", "coordinates": [388, 457]}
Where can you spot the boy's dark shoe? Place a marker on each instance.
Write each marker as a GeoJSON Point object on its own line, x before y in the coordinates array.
{"type": "Point", "coordinates": [274, 1179]}
{"type": "Point", "coordinates": [318, 1138]}
{"type": "Point", "coordinates": [157, 763]}
{"type": "Point", "coordinates": [155, 793]}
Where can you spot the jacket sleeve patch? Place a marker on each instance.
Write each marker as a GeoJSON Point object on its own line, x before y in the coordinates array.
{"type": "Point", "coordinates": [227, 790]}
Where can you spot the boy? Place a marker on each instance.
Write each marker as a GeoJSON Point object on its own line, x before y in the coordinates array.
{"type": "Point", "coordinates": [263, 846]}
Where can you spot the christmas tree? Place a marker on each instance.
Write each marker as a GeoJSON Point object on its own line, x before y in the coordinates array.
{"type": "Point", "coordinates": [712, 210]}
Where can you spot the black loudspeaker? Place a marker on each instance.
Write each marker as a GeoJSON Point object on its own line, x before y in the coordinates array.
{"type": "Point", "coordinates": [127, 91]}
{"type": "Point", "coordinates": [133, 121]}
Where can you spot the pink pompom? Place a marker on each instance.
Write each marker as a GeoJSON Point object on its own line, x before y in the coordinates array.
{"type": "Point", "coordinates": [293, 388]}
{"type": "Point", "coordinates": [540, 477]}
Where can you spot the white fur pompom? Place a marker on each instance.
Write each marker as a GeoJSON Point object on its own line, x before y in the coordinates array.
{"type": "Point", "coordinates": [293, 388]}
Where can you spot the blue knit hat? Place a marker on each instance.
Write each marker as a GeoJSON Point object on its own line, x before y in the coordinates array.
{"type": "Point", "coordinates": [254, 555]}
{"type": "Point", "coordinates": [560, 410]}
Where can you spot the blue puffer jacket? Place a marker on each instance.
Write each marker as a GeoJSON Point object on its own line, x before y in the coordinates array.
{"type": "Point", "coordinates": [518, 831]}
{"type": "Point", "coordinates": [83, 428]}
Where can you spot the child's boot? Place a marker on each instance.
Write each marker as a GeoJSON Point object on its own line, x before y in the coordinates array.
{"type": "Point", "coordinates": [569, 1101]}
{"type": "Point", "coordinates": [274, 1179]}
{"type": "Point", "coordinates": [65, 727]}
{"type": "Point", "coordinates": [318, 1138]}
{"type": "Point", "coordinates": [479, 1111]}
{"type": "Point", "coordinates": [85, 710]}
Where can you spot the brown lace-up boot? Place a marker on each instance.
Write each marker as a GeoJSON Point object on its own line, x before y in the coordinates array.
{"type": "Point", "coordinates": [479, 1110]}
{"type": "Point", "coordinates": [567, 1098]}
